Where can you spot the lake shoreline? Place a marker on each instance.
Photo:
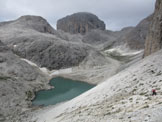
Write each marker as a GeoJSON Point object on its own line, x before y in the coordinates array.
{"type": "Point", "coordinates": [63, 89]}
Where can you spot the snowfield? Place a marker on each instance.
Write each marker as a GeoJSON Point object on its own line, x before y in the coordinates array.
{"type": "Point", "coordinates": [123, 50]}
{"type": "Point", "coordinates": [125, 97]}
{"type": "Point", "coordinates": [48, 72]}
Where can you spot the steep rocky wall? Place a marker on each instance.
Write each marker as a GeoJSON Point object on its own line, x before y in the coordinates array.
{"type": "Point", "coordinates": [81, 22]}
{"type": "Point", "coordinates": [153, 41]}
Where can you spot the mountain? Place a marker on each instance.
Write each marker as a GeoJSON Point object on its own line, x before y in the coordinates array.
{"type": "Point", "coordinates": [18, 82]}
{"type": "Point", "coordinates": [153, 41]}
{"type": "Point", "coordinates": [126, 96]}
{"type": "Point", "coordinates": [135, 37]}
{"type": "Point", "coordinates": [81, 22]}
{"type": "Point", "coordinates": [93, 55]}
{"type": "Point", "coordinates": [31, 37]}
{"type": "Point", "coordinates": [30, 22]}
{"type": "Point", "coordinates": [105, 39]}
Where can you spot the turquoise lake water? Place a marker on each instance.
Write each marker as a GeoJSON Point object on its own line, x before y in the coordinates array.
{"type": "Point", "coordinates": [64, 89]}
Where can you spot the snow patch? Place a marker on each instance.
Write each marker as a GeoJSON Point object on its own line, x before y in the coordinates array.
{"type": "Point", "coordinates": [44, 70]}
{"type": "Point", "coordinates": [48, 72]}
{"type": "Point", "coordinates": [62, 71]}
{"type": "Point", "coordinates": [123, 51]}
{"type": "Point", "coordinates": [29, 62]}
{"type": "Point", "coordinates": [14, 46]}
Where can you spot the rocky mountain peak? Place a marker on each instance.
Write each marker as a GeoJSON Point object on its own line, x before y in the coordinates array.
{"type": "Point", "coordinates": [34, 22]}
{"type": "Point", "coordinates": [81, 22]}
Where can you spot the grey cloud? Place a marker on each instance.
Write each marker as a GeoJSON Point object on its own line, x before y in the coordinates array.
{"type": "Point", "coordinates": [115, 13]}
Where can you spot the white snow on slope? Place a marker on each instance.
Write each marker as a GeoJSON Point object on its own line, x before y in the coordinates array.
{"type": "Point", "coordinates": [123, 50]}
{"type": "Point", "coordinates": [29, 62]}
{"type": "Point", "coordinates": [124, 97]}
{"type": "Point", "coordinates": [83, 72]}
{"type": "Point", "coordinates": [62, 71]}
{"type": "Point", "coordinates": [48, 72]}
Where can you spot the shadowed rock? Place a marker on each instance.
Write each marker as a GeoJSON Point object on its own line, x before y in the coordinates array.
{"type": "Point", "coordinates": [81, 22]}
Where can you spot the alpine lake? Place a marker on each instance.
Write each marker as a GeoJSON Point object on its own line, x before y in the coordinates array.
{"type": "Point", "coordinates": [64, 90]}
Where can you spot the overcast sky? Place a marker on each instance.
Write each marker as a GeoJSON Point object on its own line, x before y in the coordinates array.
{"type": "Point", "coordinates": [115, 13]}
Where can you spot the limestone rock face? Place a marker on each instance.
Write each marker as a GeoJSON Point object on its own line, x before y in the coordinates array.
{"type": "Point", "coordinates": [81, 22]}
{"type": "Point", "coordinates": [154, 39]}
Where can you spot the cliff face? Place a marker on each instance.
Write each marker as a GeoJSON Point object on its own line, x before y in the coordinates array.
{"type": "Point", "coordinates": [153, 41]}
{"type": "Point", "coordinates": [80, 23]}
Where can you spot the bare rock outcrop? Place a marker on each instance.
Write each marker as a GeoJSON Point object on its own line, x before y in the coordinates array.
{"type": "Point", "coordinates": [34, 22]}
{"type": "Point", "coordinates": [153, 41]}
{"type": "Point", "coordinates": [81, 22]}
{"type": "Point", "coordinates": [18, 82]}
